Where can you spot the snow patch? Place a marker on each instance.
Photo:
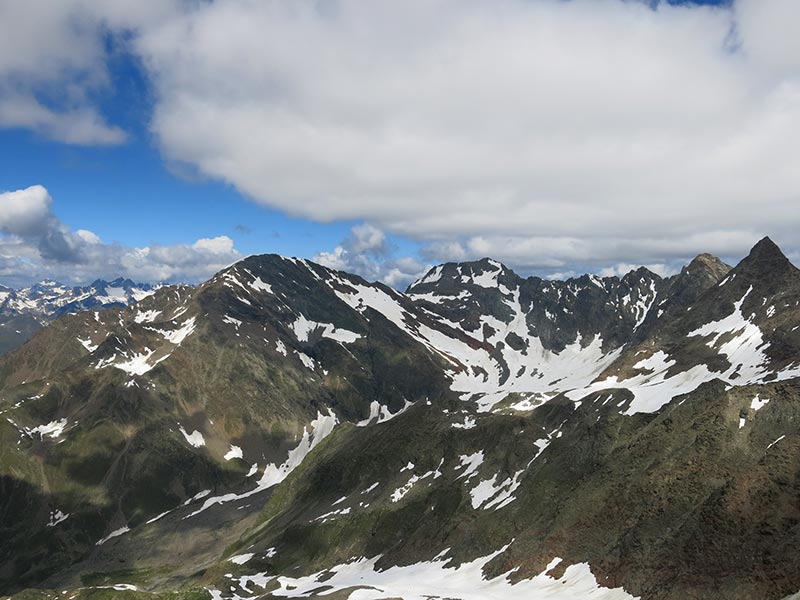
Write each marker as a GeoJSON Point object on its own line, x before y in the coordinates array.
{"type": "Point", "coordinates": [240, 559]}
{"type": "Point", "coordinates": [56, 517]}
{"type": "Point", "coordinates": [113, 534]}
{"type": "Point", "coordinates": [303, 328]}
{"type": "Point", "coordinates": [146, 316]}
{"type": "Point", "coordinates": [379, 413]}
{"type": "Point", "coordinates": [87, 343]}
{"type": "Point", "coordinates": [400, 492]}
{"type": "Point", "coordinates": [261, 286]}
{"type": "Point", "coordinates": [469, 423]}
{"type": "Point", "coordinates": [195, 439]}
{"type": "Point", "coordinates": [488, 493]}
{"type": "Point", "coordinates": [231, 321]}
{"type": "Point", "coordinates": [307, 361]}
{"type": "Point", "coordinates": [178, 335]}
{"type": "Point", "coordinates": [472, 462]}
{"type": "Point", "coordinates": [234, 452]}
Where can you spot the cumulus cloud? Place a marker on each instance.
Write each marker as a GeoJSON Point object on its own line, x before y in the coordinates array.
{"type": "Point", "coordinates": [53, 63]}
{"type": "Point", "coordinates": [26, 212]}
{"type": "Point", "coordinates": [366, 251]}
{"type": "Point", "coordinates": [549, 134]}
{"type": "Point", "coordinates": [553, 127]}
{"type": "Point", "coordinates": [82, 126]}
{"type": "Point", "coordinates": [35, 245]}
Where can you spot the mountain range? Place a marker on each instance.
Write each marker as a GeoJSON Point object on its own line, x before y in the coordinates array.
{"type": "Point", "coordinates": [23, 311]}
{"type": "Point", "coordinates": [286, 430]}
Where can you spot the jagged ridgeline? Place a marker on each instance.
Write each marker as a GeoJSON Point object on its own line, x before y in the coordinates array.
{"type": "Point", "coordinates": [24, 311]}
{"type": "Point", "coordinates": [286, 430]}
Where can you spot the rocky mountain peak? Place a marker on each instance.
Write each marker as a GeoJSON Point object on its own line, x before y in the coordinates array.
{"type": "Point", "coordinates": [765, 259]}
{"type": "Point", "coordinates": [704, 272]}
{"type": "Point", "coordinates": [640, 275]}
{"type": "Point", "coordinates": [709, 264]}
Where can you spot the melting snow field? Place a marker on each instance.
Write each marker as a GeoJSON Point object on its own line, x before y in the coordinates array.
{"type": "Point", "coordinates": [54, 429]}
{"type": "Point", "coordinates": [743, 346]}
{"type": "Point", "coordinates": [475, 372]}
{"type": "Point", "coordinates": [429, 580]}
{"type": "Point", "coordinates": [653, 389]}
{"type": "Point", "coordinates": [138, 364]}
{"type": "Point", "coordinates": [303, 328]}
{"type": "Point", "coordinates": [491, 494]}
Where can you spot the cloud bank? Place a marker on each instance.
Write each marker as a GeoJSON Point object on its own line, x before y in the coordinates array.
{"type": "Point", "coordinates": [367, 251]}
{"type": "Point", "coordinates": [545, 133]}
{"type": "Point", "coordinates": [35, 245]}
{"type": "Point", "coordinates": [548, 134]}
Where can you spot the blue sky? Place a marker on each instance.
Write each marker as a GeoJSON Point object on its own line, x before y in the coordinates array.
{"type": "Point", "coordinates": [557, 137]}
{"type": "Point", "coordinates": [129, 194]}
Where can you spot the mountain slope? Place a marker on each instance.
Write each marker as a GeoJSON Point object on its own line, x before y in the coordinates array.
{"type": "Point", "coordinates": [633, 436]}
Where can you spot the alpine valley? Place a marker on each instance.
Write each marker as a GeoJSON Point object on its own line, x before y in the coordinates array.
{"type": "Point", "coordinates": [285, 430]}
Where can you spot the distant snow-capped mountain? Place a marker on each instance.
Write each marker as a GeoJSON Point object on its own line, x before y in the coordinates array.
{"type": "Point", "coordinates": [23, 311]}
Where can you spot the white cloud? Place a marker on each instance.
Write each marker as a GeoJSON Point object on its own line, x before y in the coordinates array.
{"type": "Point", "coordinates": [35, 245]}
{"type": "Point", "coordinates": [367, 239]}
{"type": "Point", "coordinates": [548, 134]}
{"type": "Point", "coordinates": [88, 236]}
{"type": "Point", "coordinates": [561, 275]}
{"type": "Point", "coordinates": [554, 126]}
{"type": "Point", "coordinates": [768, 32]}
{"type": "Point", "coordinates": [25, 212]}
{"type": "Point", "coordinates": [366, 251]}
{"type": "Point", "coordinates": [82, 126]}
{"type": "Point", "coordinates": [219, 245]}
{"type": "Point", "coordinates": [53, 62]}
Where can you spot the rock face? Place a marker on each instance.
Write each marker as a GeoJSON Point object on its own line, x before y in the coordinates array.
{"type": "Point", "coordinates": [24, 311]}
{"type": "Point", "coordinates": [479, 434]}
